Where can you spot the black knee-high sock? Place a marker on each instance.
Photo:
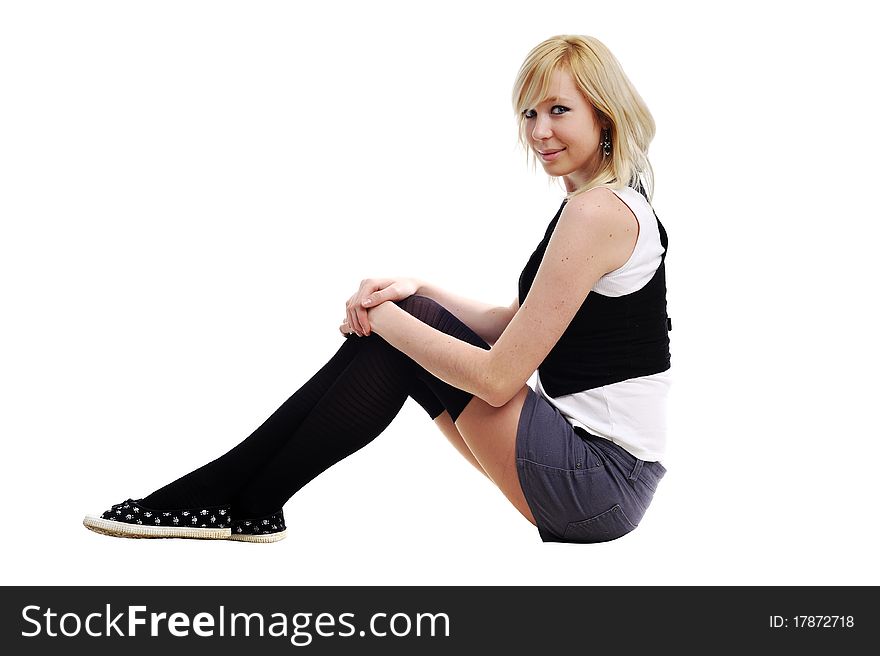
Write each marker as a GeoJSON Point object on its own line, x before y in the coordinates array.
{"type": "Point", "coordinates": [216, 482]}
{"type": "Point", "coordinates": [220, 480]}
{"type": "Point", "coordinates": [354, 411]}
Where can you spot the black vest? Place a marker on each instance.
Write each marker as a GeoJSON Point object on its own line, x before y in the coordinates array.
{"type": "Point", "coordinates": [610, 339]}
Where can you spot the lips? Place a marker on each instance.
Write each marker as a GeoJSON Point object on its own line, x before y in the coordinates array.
{"type": "Point", "coordinates": [550, 155]}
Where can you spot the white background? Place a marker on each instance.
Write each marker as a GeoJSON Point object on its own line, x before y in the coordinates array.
{"type": "Point", "coordinates": [190, 191]}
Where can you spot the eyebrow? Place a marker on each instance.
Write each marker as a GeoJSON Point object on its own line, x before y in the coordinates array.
{"type": "Point", "coordinates": [555, 99]}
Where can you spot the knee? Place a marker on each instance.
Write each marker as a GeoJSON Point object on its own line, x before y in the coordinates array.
{"type": "Point", "coordinates": [429, 311]}
{"type": "Point", "coordinates": [419, 306]}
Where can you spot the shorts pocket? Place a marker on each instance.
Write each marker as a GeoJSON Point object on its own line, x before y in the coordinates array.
{"type": "Point", "coordinates": [609, 525]}
{"type": "Point", "coordinates": [586, 457]}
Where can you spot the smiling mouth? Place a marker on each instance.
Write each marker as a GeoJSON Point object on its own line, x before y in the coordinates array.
{"type": "Point", "coordinates": [550, 155]}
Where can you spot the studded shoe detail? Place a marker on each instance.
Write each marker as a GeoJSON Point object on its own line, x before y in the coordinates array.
{"type": "Point", "coordinates": [130, 519]}
{"type": "Point", "coordinates": [270, 528]}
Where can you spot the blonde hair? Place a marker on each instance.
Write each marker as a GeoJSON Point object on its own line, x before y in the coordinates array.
{"type": "Point", "coordinates": [601, 80]}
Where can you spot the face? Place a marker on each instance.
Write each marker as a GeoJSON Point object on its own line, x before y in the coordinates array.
{"type": "Point", "coordinates": [564, 132]}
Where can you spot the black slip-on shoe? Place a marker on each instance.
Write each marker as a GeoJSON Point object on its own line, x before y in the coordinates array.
{"type": "Point", "coordinates": [130, 519]}
{"type": "Point", "coordinates": [270, 528]}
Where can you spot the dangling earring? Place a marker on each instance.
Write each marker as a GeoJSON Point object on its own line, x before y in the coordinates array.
{"type": "Point", "coordinates": [606, 142]}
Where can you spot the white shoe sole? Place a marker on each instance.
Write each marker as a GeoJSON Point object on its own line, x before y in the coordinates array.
{"type": "Point", "coordinates": [124, 530]}
{"type": "Point", "coordinates": [269, 537]}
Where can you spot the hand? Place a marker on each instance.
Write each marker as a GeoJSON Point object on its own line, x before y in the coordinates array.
{"type": "Point", "coordinates": [372, 293]}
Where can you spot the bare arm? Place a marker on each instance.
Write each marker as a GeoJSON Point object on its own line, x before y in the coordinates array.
{"type": "Point", "coordinates": [485, 319]}
{"type": "Point", "coordinates": [593, 237]}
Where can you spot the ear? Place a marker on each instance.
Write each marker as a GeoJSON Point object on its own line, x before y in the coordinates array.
{"type": "Point", "coordinates": [604, 121]}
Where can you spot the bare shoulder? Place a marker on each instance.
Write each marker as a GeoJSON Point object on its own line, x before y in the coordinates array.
{"type": "Point", "coordinates": [605, 222]}
{"type": "Point", "coordinates": [599, 204]}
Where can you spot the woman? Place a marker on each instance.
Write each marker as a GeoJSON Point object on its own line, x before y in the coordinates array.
{"type": "Point", "coordinates": [579, 456]}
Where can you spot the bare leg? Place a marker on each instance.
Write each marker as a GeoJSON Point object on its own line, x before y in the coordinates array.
{"type": "Point", "coordinates": [490, 434]}
{"type": "Point", "coordinates": [447, 427]}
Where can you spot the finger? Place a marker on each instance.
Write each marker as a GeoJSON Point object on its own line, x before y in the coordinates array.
{"type": "Point", "coordinates": [364, 320]}
{"type": "Point", "coordinates": [346, 322]}
{"type": "Point", "coordinates": [350, 314]}
{"type": "Point", "coordinates": [378, 297]}
{"type": "Point", "coordinates": [355, 324]}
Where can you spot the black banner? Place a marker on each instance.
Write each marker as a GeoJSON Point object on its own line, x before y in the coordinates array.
{"type": "Point", "coordinates": [432, 620]}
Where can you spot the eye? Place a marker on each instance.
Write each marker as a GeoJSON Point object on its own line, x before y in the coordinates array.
{"type": "Point", "coordinates": [530, 113]}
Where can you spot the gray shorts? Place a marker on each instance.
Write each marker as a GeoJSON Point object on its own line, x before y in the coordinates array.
{"type": "Point", "coordinates": [579, 487]}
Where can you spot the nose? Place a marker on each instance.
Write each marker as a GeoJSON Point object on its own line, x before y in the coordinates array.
{"type": "Point", "coordinates": [541, 129]}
